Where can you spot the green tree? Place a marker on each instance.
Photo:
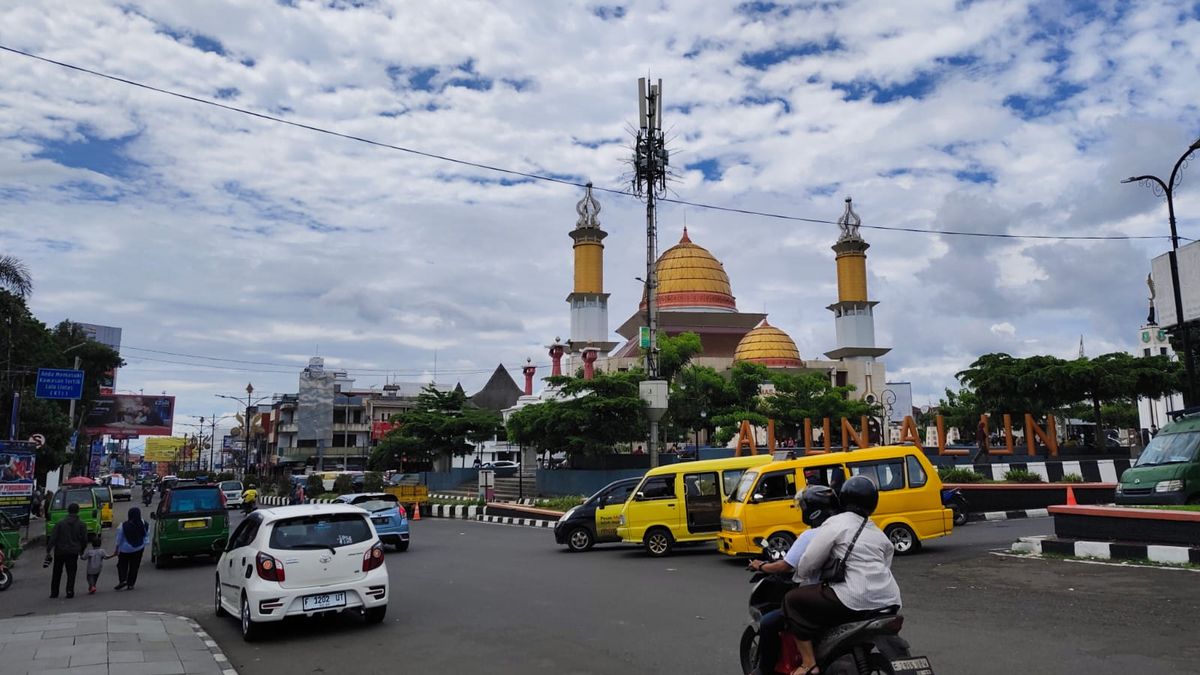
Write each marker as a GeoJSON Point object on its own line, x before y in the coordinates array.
{"type": "Point", "coordinates": [440, 423]}
{"type": "Point", "coordinates": [15, 277]}
{"type": "Point", "coordinates": [810, 396]}
{"type": "Point", "coordinates": [591, 417]}
{"type": "Point", "coordinates": [699, 395]}
{"type": "Point", "coordinates": [961, 409]}
{"type": "Point", "coordinates": [674, 353]}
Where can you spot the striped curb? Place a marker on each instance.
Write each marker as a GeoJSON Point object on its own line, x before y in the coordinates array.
{"type": "Point", "coordinates": [209, 643]}
{"type": "Point", "coordinates": [1007, 515]}
{"type": "Point", "coordinates": [458, 511]}
{"type": "Point", "coordinates": [1091, 470]}
{"type": "Point", "coordinates": [1106, 550]}
{"type": "Point", "coordinates": [523, 522]}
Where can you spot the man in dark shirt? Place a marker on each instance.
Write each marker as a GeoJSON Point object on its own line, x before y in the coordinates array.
{"type": "Point", "coordinates": [66, 542]}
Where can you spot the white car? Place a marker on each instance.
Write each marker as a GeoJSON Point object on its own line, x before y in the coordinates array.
{"type": "Point", "coordinates": [302, 561]}
{"type": "Point", "coordinates": [232, 489]}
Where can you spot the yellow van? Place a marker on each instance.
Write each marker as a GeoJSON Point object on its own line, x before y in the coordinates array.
{"type": "Point", "coordinates": [681, 502]}
{"type": "Point", "coordinates": [910, 498]}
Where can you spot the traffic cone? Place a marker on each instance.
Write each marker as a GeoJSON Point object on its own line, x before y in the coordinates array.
{"type": "Point", "coordinates": [416, 512]}
{"type": "Point", "coordinates": [1071, 496]}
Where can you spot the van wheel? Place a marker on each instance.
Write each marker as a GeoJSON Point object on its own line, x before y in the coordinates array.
{"type": "Point", "coordinates": [579, 539]}
{"type": "Point", "coordinates": [658, 542]}
{"type": "Point", "coordinates": [781, 541]}
{"type": "Point", "coordinates": [903, 538]}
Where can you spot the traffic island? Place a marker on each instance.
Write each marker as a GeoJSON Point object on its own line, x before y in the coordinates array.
{"type": "Point", "coordinates": [1119, 523]}
{"type": "Point", "coordinates": [996, 498]}
{"type": "Point", "coordinates": [1108, 550]}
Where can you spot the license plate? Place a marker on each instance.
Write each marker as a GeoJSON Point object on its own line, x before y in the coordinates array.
{"type": "Point", "coordinates": [194, 524]}
{"type": "Point", "coordinates": [324, 601]}
{"type": "Point", "coordinates": [917, 665]}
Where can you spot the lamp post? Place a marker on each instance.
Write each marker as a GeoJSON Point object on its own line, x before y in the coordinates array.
{"type": "Point", "coordinates": [250, 402]}
{"type": "Point", "coordinates": [1159, 186]}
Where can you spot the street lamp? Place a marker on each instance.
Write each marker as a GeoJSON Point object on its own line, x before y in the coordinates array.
{"type": "Point", "coordinates": [1167, 188]}
{"type": "Point", "coordinates": [246, 424]}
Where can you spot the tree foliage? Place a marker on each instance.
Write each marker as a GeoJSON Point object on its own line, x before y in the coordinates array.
{"type": "Point", "coordinates": [440, 423]}
{"type": "Point", "coordinates": [674, 353]}
{"type": "Point", "coordinates": [591, 417]}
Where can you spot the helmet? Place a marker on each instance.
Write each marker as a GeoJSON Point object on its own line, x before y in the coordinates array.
{"type": "Point", "coordinates": [817, 504]}
{"type": "Point", "coordinates": [859, 495]}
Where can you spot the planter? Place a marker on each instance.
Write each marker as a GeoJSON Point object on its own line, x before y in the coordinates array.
{"type": "Point", "coordinates": [982, 497]}
{"type": "Point", "coordinates": [1114, 523]}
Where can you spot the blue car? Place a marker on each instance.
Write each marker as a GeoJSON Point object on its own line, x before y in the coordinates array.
{"type": "Point", "coordinates": [387, 515]}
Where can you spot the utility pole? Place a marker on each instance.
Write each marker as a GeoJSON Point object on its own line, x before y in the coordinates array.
{"type": "Point", "coordinates": [650, 178]}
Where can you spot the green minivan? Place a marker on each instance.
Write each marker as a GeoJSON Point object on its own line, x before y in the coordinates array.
{"type": "Point", "coordinates": [89, 508]}
{"type": "Point", "coordinates": [190, 520]}
{"type": "Point", "coordinates": [1168, 470]}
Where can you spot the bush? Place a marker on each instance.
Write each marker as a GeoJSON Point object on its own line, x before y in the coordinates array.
{"type": "Point", "coordinates": [954, 474]}
{"type": "Point", "coordinates": [283, 487]}
{"type": "Point", "coordinates": [1022, 476]}
{"type": "Point", "coordinates": [225, 475]}
{"type": "Point", "coordinates": [314, 487]}
{"type": "Point", "coordinates": [372, 481]}
{"type": "Point", "coordinates": [343, 484]}
{"type": "Point", "coordinates": [1071, 478]}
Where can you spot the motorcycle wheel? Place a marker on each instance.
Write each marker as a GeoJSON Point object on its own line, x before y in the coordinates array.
{"type": "Point", "coordinates": [749, 650]}
{"type": "Point", "coordinates": [960, 516]}
{"type": "Point", "coordinates": [6, 579]}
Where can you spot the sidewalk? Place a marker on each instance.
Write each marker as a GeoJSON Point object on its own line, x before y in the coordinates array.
{"type": "Point", "coordinates": [99, 643]}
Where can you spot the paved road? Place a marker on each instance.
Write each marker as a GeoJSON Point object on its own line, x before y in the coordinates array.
{"type": "Point", "coordinates": [472, 597]}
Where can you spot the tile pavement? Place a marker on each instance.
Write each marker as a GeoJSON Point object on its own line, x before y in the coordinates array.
{"type": "Point", "coordinates": [108, 643]}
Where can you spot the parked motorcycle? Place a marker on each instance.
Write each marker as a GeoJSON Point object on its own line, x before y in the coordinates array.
{"type": "Point", "coordinates": [6, 577]}
{"type": "Point", "coordinates": [869, 647]}
{"type": "Point", "coordinates": [952, 498]}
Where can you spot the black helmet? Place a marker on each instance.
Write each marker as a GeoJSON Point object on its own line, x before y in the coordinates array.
{"type": "Point", "coordinates": [859, 495]}
{"type": "Point", "coordinates": [817, 504]}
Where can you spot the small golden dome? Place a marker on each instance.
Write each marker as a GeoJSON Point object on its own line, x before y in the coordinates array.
{"type": "Point", "coordinates": [768, 346]}
{"type": "Point", "coordinates": [689, 277]}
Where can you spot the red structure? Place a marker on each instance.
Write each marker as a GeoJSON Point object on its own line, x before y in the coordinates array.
{"type": "Point", "coordinates": [556, 353]}
{"type": "Point", "coordinates": [529, 370]}
{"type": "Point", "coordinates": [589, 363]}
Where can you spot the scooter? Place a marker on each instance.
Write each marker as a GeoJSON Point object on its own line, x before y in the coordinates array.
{"type": "Point", "coordinates": [6, 577]}
{"type": "Point", "coordinates": [952, 498]}
{"type": "Point", "coordinates": [147, 496]}
{"type": "Point", "coordinates": [868, 647]}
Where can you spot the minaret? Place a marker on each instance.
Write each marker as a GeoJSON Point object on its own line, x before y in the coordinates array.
{"type": "Point", "coordinates": [589, 302]}
{"type": "Point", "coordinates": [854, 314]}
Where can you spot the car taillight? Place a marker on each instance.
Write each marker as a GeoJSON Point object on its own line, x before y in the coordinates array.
{"type": "Point", "coordinates": [403, 513]}
{"type": "Point", "coordinates": [373, 558]}
{"type": "Point", "coordinates": [223, 502]}
{"type": "Point", "coordinates": [269, 569]}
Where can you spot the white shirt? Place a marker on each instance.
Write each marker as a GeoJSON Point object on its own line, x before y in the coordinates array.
{"type": "Point", "coordinates": [869, 582]}
{"type": "Point", "coordinates": [792, 557]}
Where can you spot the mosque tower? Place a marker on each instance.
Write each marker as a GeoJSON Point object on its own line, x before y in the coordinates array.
{"type": "Point", "coordinates": [854, 314]}
{"type": "Point", "coordinates": [589, 302]}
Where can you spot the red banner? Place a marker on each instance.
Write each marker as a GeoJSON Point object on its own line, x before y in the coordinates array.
{"type": "Point", "coordinates": [381, 429]}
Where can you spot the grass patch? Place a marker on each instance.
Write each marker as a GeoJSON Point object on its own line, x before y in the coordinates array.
{"type": "Point", "coordinates": [560, 503]}
{"type": "Point", "coordinates": [1195, 508]}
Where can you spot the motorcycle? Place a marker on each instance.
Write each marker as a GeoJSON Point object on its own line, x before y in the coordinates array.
{"type": "Point", "coordinates": [952, 498]}
{"type": "Point", "coordinates": [6, 577]}
{"type": "Point", "coordinates": [868, 647]}
{"type": "Point", "coordinates": [248, 501]}
{"type": "Point", "coordinates": [147, 496]}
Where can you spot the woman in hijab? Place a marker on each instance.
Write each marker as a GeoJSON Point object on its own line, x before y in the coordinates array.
{"type": "Point", "coordinates": [131, 541]}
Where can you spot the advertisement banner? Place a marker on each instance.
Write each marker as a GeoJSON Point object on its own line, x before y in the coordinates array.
{"type": "Point", "coordinates": [17, 464]}
{"type": "Point", "coordinates": [123, 414]}
{"type": "Point", "coordinates": [381, 429]}
{"type": "Point", "coordinates": [97, 452]}
{"type": "Point", "coordinates": [163, 449]}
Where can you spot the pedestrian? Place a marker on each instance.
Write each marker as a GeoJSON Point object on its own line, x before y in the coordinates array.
{"type": "Point", "coordinates": [639, 451]}
{"type": "Point", "coordinates": [131, 541]}
{"type": "Point", "coordinates": [981, 440]}
{"type": "Point", "coordinates": [46, 499]}
{"type": "Point", "coordinates": [95, 557]}
{"type": "Point", "coordinates": [35, 503]}
{"type": "Point", "coordinates": [66, 543]}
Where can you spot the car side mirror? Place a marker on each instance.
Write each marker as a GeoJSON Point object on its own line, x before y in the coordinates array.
{"type": "Point", "coordinates": [639, 495]}
{"type": "Point", "coordinates": [756, 498]}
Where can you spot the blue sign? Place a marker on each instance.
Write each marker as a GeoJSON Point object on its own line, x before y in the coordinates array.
{"type": "Point", "coordinates": [59, 383]}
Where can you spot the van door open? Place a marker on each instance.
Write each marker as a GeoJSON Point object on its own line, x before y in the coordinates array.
{"type": "Point", "coordinates": [702, 501]}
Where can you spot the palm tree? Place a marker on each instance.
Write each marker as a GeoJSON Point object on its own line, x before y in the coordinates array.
{"type": "Point", "coordinates": [14, 276]}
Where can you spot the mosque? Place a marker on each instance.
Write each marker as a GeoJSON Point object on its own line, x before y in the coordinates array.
{"type": "Point", "coordinates": [695, 295]}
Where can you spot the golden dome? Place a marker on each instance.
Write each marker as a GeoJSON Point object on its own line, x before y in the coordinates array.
{"type": "Point", "coordinates": [689, 277]}
{"type": "Point", "coordinates": [769, 346]}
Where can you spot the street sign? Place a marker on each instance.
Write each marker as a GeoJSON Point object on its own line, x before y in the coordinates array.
{"type": "Point", "coordinates": [644, 337]}
{"type": "Point", "coordinates": [59, 383]}
{"type": "Point", "coordinates": [38, 440]}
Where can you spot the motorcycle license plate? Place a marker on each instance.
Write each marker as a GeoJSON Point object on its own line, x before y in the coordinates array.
{"type": "Point", "coordinates": [916, 665]}
{"type": "Point", "coordinates": [324, 601]}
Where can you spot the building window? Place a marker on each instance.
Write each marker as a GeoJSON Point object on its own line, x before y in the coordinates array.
{"type": "Point", "coordinates": [1162, 351]}
{"type": "Point", "coordinates": [1146, 351]}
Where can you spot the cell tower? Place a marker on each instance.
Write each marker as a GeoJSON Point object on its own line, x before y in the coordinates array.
{"type": "Point", "coordinates": [650, 180]}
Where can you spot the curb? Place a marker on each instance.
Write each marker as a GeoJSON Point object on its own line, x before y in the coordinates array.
{"type": "Point", "coordinates": [1107, 550]}
{"type": "Point", "coordinates": [213, 648]}
{"type": "Point", "coordinates": [523, 522]}
{"type": "Point", "coordinates": [1007, 515]}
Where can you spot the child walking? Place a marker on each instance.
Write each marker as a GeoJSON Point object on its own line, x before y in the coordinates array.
{"type": "Point", "coordinates": [95, 562]}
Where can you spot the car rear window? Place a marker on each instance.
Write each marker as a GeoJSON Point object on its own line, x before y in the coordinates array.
{"type": "Point", "coordinates": [231, 485]}
{"type": "Point", "coordinates": [373, 505]}
{"type": "Point", "coordinates": [190, 501]}
{"type": "Point", "coordinates": [81, 497]}
{"type": "Point", "coordinates": [320, 531]}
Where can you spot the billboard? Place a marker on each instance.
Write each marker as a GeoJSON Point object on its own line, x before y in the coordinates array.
{"type": "Point", "coordinates": [17, 464]}
{"type": "Point", "coordinates": [163, 449]}
{"type": "Point", "coordinates": [121, 415]}
{"type": "Point", "coordinates": [1189, 284]}
{"type": "Point", "coordinates": [109, 336]}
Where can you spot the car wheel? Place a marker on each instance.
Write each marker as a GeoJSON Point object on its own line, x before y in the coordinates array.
{"type": "Point", "coordinates": [580, 539]}
{"type": "Point", "coordinates": [903, 538]}
{"type": "Point", "coordinates": [781, 541]}
{"type": "Point", "coordinates": [375, 614]}
{"type": "Point", "coordinates": [250, 629]}
{"type": "Point", "coordinates": [658, 542]}
{"type": "Point", "coordinates": [402, 546]}
{"type": "Point", "coordinates": [220, 611]}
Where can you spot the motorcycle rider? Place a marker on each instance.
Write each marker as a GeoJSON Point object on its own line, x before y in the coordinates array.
{"type": "Point", "coordinates": [817, 503]}
{"type": "Point", "coordinates": [868, 585]}
{"type": "Point", "coordinates": [249, 497]}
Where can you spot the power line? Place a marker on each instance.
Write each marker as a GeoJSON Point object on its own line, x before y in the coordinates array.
{"type": "Point", "coordinates": [296, 367]}
{"type": "Point", "coordinates": [552, 179]}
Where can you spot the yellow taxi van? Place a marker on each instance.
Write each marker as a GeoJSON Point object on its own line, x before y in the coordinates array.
{"type": "Point", "coordinates": [763, 505]}
{"type": "Point", "coordinates": [681, 502]}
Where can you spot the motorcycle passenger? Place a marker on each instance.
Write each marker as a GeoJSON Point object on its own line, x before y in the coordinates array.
{"type": "Point", "coordinates": [817, 503]}
{"type": "Point", "coordinates": [868, 585]}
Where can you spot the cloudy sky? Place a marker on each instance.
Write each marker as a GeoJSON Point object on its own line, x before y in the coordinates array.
{"type": "Point", "coordinates": [208, 233]}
